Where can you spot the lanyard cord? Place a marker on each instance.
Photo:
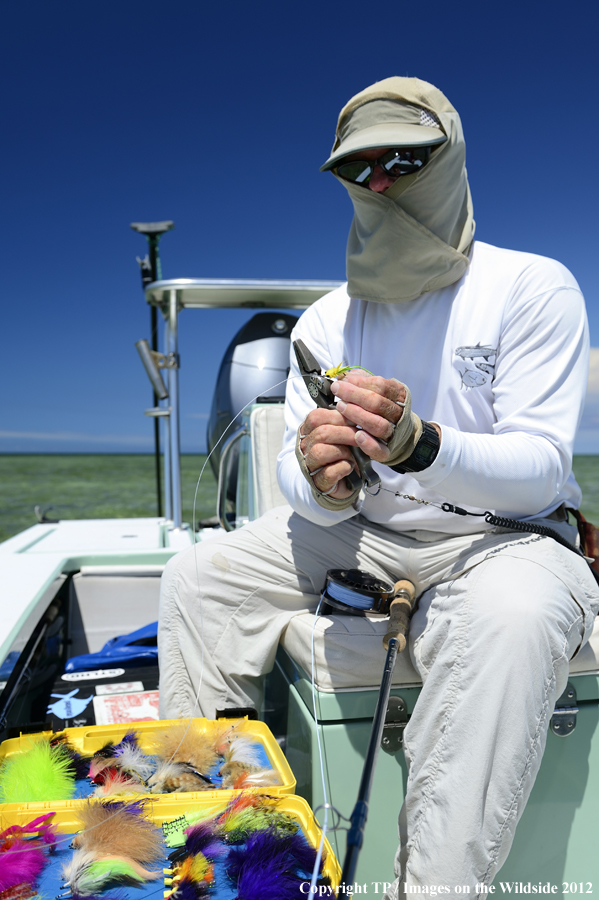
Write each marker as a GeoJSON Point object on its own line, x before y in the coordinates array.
{"type": "Point", "coordinates": [500, 522]}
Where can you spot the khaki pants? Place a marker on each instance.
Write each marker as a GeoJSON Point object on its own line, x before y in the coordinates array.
{"type": "Point", "coordinates": [499, 617]}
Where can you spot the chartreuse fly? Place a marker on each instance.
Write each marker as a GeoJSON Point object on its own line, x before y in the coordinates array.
{"type": "Point", "coordinates": [339, 372]}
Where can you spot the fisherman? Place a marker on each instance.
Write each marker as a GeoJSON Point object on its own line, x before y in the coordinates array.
{"type": "Point", "coordinates": [480, 361]}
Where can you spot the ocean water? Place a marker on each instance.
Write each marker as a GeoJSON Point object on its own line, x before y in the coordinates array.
{"type": "Point", "coordinates": [586, 470]}
{"type": "Point", "coordinates": [82, 486]}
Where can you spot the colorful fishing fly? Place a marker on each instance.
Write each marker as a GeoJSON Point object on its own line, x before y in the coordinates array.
{"type": "Point", "coordinates": [339, 372]}
{"type": "Point", "coordinates": [43, 772]}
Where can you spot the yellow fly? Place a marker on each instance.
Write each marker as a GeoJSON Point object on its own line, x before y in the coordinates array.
{"type": "Point", "coordinates": [340, 371]}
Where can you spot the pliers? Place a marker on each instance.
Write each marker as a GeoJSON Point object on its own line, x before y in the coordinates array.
{"type": "Point", "coordinates": [319, 388]}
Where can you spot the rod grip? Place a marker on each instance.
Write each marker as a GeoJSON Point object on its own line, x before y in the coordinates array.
{"type": "Point", "coordinates": [400, 611]}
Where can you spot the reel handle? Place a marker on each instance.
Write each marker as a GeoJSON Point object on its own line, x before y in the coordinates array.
{"type": "Point", "coordinates": [404, 596]}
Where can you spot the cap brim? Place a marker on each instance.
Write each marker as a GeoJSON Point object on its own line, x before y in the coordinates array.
{"type": "Point", "coordinates": [386, 135]}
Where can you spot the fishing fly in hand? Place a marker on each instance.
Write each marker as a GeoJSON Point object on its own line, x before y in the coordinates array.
{"type": "Point", "coordinates": [363, 422]}
{"type": "Point", "coordinates": [329, 447]}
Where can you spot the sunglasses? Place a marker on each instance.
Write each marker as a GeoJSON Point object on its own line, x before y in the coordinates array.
{"type": "Point", "coordinates": [395, 162]}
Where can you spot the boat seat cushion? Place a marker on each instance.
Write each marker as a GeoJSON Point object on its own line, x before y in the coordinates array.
{"type": "Point", "coordinates": [267, 426]}
{"type": "Point", "coordinates": [349, 655]}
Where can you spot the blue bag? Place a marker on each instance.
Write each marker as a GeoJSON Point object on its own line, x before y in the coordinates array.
{"type": "Point", "coordinates": [139, 648]}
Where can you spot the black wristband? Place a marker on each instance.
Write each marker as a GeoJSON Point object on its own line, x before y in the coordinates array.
{"type": "Point", "coordinates": [423, 454]}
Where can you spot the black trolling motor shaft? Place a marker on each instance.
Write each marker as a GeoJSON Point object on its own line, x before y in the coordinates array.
{"type": "Point", "coordinates": [395, 641]}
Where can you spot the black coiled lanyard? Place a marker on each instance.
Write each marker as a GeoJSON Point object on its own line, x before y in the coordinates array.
{"type": "Point", "coordinates": [501, 522]}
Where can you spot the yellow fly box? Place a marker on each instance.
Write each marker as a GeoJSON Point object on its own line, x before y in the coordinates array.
{"type": "Point", "coordinates": [172, 807]}
{"type": "Point", "coordinates": [88, 740]}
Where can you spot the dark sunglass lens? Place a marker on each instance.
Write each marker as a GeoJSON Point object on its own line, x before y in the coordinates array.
{"type": "Point", "coordinates": [404, 161]}
{"type": "Point", "coordinates": [359, 171]}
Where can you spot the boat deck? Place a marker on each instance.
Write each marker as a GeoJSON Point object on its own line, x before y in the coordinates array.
{"type": "Point", "coordinates": [35, 563]}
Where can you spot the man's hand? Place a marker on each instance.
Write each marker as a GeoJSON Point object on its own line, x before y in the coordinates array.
{"type": "Point", "coordinates": [326, 440]}
{"type": "Point", "coordinates": [376, 405]}
{"type": "Point", "coordinates": [366, 400]}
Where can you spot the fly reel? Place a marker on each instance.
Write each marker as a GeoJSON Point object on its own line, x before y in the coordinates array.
{"type": "Point", "coordinates": [352, 592]}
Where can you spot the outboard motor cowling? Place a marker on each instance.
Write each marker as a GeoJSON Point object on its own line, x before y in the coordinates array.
{"type": "Point", "coordinates": [256, 359]}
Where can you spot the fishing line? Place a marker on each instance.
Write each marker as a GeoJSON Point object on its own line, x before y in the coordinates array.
{"type": "Point", "coordinates": [197, 695]}
{"type": "Point", "coordinates": [197, 573]}
{"type": "Point", "coordinates": [354, 592]}
{"type": "Point", "coordinates": [313, 678]}
{"type": "Point", "coordinates": [348, 597]}
{"type": "Point", "coordinates": [339, 593]}
{"type": "Point", "coordinates": [445, 507]}
{"type": "Point", "coordinates": [60, 841]}
{"type": "Point", "coordinates": [195, 556]}
{"type": "Point", "coordinates": [325, 823]}
{"type": "Point", "coordinates": [336, 826]}
{"type": "Point", "coordinates": [490, 518]}
{"type": "Point", "coordinates": [221, 438]}
{"type": "Point", "coordinates": [197, 699]}
{"type": "Point", "coordinates": [336, 591]}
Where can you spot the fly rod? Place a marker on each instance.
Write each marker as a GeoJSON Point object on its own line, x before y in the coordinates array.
{"type": "Point", "coordinates": [394, 642]}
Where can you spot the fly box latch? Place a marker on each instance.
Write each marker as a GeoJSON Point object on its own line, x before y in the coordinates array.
{"type": "Point", "coordinates": [396, 720]}
{"type": "Point", "coordinates": [563, 720]}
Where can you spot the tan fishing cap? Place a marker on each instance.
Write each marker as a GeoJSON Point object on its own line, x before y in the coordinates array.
{"type": "Point", "coordinates": [383, 123]}
{"type": "Point", "coordinates": [416, 236]}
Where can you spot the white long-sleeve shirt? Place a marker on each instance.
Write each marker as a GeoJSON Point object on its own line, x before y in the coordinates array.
{"type": "Point", "coordinates": [499, 360]}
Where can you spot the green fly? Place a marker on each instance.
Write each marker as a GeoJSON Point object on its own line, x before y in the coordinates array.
{"type": "Point", "coordinates": [340, 371]}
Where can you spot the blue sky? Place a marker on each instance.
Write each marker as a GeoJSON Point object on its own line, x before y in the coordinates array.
{"type": "Point", "coordinates": [218, 116]}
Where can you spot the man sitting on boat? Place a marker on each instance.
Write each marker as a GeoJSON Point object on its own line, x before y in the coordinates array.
{"type": "Point", "coordinates": [480, 361]}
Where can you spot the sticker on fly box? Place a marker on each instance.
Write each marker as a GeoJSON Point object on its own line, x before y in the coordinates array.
{"type": "Point", "coordinates": [117, 708]}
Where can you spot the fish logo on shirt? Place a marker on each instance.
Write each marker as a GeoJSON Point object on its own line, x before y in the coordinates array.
{"type": "Point", "coordinates": [477, 368]}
